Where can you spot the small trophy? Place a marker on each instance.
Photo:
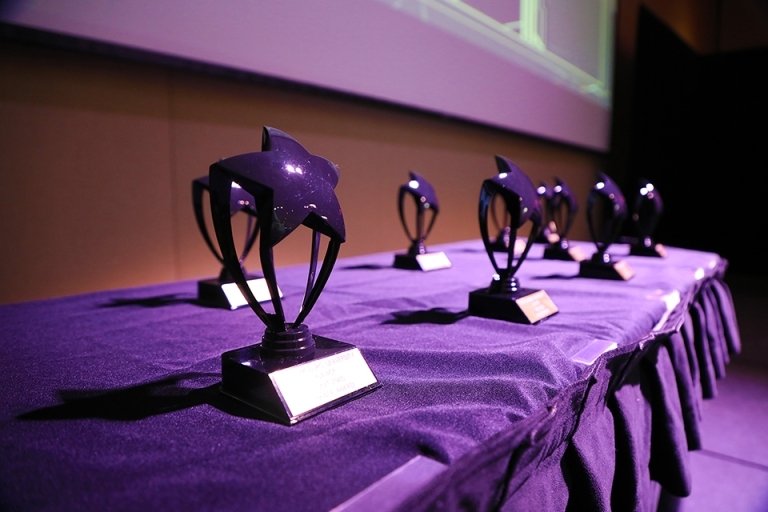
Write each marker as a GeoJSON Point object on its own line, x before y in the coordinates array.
{"type": "Point", "coordinates": [417, 257]}
{"type": "Point", "coordinates": [645, 216]}
{"type": "Point", "coordinates": [606, 211]}
{"type": "Point", "coordinates": [223, 291]}
{"type": "Point", "coordinates": [562, 212]}
{"type": "Point", "coordinates": [292, 374]}
{"type": "Point", "coordinates": [504, 299]}
{"type": "Point", "coordinates": [547, 234]}
{"type": "Point", "coordinates": [501, 222]}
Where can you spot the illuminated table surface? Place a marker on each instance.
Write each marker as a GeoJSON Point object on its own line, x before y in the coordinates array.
{"type": "Point", "coordinates": [110, 400]}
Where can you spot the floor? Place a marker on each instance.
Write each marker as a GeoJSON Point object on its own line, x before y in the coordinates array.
{"type": "Point", "coordinates": [731, 472]}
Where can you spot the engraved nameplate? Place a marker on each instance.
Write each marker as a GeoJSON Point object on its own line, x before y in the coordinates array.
{"type": "Point", "coordinates": [617, 270]}
{"type": "Point", "coordinates": [433, 261]}
{"type": "Point", "coordinates": [623, 269]}
{"type": "Point", "coordinates": [258, 288]}
{"type": "Point", "coordinates": [537, 306]}
{"type": "Point", "coordinates": [577, 253]}
{"type": "Point", "coordinates": [524, 306]}
{"type": "Point", "coordinates": [307, 386]}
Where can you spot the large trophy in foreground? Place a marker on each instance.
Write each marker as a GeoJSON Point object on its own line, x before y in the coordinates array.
{"type": "Point", "coordinates": [606, 211]}
{"type": "Point", "coordinates": [505, 299]}
{"type": "Point", "coordinates": [292, 374]}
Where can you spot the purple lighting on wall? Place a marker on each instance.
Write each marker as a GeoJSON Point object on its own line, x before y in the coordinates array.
{"type": "Point", "coordinates": [542, 68]}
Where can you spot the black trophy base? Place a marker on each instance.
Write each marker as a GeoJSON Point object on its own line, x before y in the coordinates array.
{"type": "Point", "coordinates": [652, 251]}
{"type": "Point", "coordinates": [618, 270]}
{"type": "Point", "coordinates": [218, 294]}
{"type": "Point", "coordinates": [558, 252]}
{"type": "Point", "coordinates": [424, 262]}
{"type": "Point", "coordinates": [547, 237]}
{"type": "Point", "coordinates": [523, 306]}
{"type": "Point", "coordinates": [501, 245]}
{"type": "Point", "coordinates": [292, 389]}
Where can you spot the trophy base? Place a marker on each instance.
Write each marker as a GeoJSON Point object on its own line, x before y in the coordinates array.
{"type": "Point", "coordinates": [523, 307]}
{"type": "Point", "coordinates": [500, 246]}
{"type": "Point", "coordinates": [557, 252]}
{"type": "Point", "coordinates": [547, 238]}
{"type": "Point", "coordinates": [294, 389]}
{"type": "Point", "coordinates": [424, 262]}
{"type": "Point", "coordinates": [615, 270]}
{"type": "Point", "coordinates": [212, 292]}
{"type": "Point", "coordinates": [653, 251]}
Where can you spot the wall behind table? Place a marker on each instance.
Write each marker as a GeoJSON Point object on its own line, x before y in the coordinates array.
{"type": "Point", "coordinates": [98, 155]}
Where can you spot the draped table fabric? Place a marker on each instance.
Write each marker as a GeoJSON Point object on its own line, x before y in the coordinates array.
{"type": "Point", "coordinates": [110, 400]}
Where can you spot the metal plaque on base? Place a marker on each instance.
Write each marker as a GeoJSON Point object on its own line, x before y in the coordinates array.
{"type": "Point", "coordinates": [651, 250]}
{"type": "Point", "coordinates": [214, 292]}
{"type": "Point", "coordinates": [563, 251]}
{"type": "Point", "coordinates": [292, 374]}
{"type": "Point", "coordinates": [426, 262]}
{"type": "Point", "coordinates": [418, 257]}
{"type": "Point", "coordinates": [293, 389]}
{"type": "Point", "coordinates": [616, 270]}
{"type": "Point", "coordinates": [505, 299]}
{"type": "Point", "coordinates": [606, 211]}
{"type": "Point", "coordinates": [222, 291]}
{"type": "Point", "coordinates": [523, 306]}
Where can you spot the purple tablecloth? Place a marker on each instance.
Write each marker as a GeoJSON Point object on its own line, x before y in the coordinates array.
{"type": "Point", "coordinates": [110, 400]}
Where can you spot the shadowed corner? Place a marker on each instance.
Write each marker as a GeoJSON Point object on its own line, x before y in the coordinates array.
{"type": "Point", "coordinates": [365, 266]}
{"type": "Point", "coordinates": [163, 396]}
{"type": "Point", "coordinates": [555, 276]}
{"type": "Point", "coordinates": [439, 316]}
{"type": "Point", "coordinates": [157, 301]}
{"type": "Point", "coordinates": [470, 250]}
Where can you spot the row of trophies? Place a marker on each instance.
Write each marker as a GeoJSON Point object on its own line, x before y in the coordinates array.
{"type": "Point", "coordinates": [292, 373]}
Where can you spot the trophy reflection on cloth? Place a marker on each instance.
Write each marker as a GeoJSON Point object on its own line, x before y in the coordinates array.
{"type": "Point", "coordinates": [505, 299]}
{"type": "Point", "coordinates": [425, 199]}
{"type": "Point", "coordinates": [223, 291]}
{"type": "Point", "coordinates": [606, 211]}
{"type": "Point", "coordinates": [647, 211]}
{"type": "Point", "coordinates": [292, 374]}
{"type": "Point", "coordinates": [562, 212]}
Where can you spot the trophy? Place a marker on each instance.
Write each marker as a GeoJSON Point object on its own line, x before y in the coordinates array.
{"type": "Point", "coordinates": [504, 299]}
{"type": "Point", "coordinates": [547, 234]}
{"type": "Point", "coordinates": [223, 291]}
{"type": "Point", "coordinates": [501, 221]}
{"type": "Point", "coordinates": [417, 257]}
{"type": "Point", "coordinates": [645, 216]}
{"type": "Point", "coordinates": [562, 208]}
{"type": "Point", "coordinates": [606, 211]}
{"type": "Point", "coordinates": [291, 374]}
